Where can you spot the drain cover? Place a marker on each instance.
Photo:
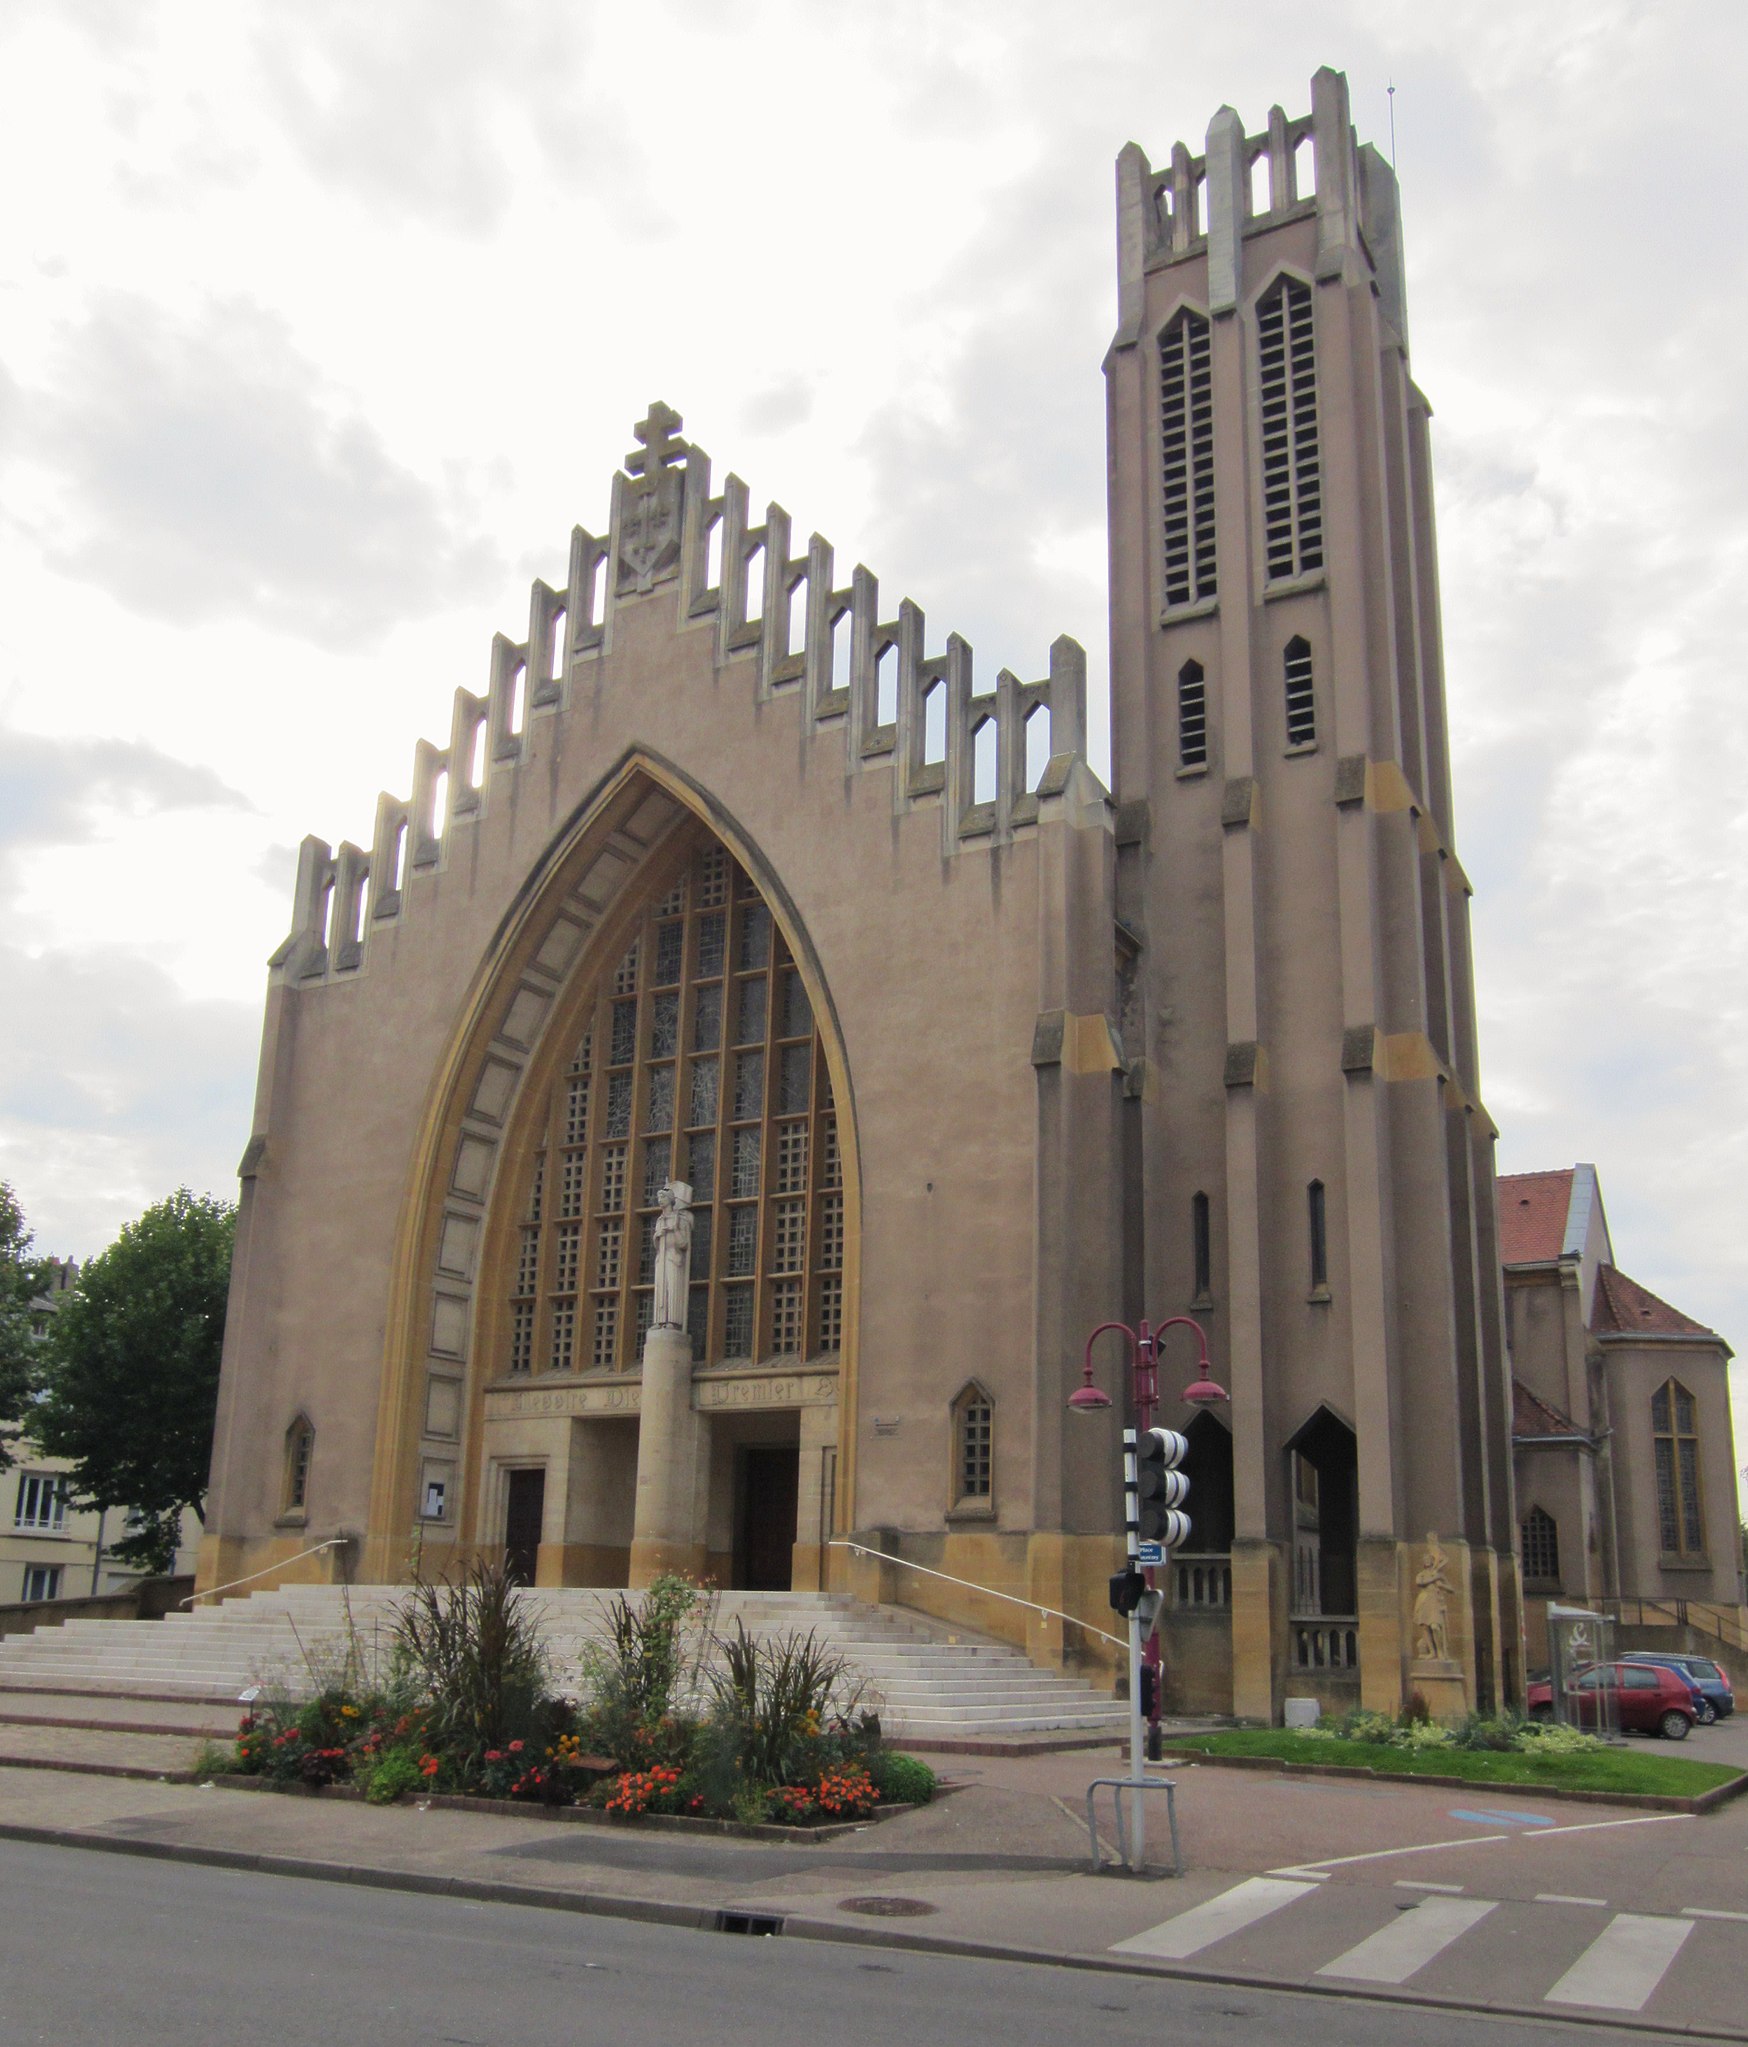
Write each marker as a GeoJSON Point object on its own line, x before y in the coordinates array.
{"type": "Point", "coordinates": [889, 1908]}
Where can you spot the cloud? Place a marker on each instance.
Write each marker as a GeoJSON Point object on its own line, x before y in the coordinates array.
{"type": "Point", "coordinates": [115, 1089]}
{"type": "Point", "coordinates": [204, 469]}
{"type": "Point", "coordinates": [57, 791]}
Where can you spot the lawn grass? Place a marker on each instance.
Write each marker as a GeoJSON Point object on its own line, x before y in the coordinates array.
{"type": "Point", "coordinates": [1633, 1769]}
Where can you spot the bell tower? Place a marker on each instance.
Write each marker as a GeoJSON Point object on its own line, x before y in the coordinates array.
{"type": "Point", "coordinates": [1311, 1163]}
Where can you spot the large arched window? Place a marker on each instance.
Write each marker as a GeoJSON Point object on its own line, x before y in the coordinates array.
{"type": "Point", "coordinates": [697, 1059]}
{"type": "Point", "coordinates": [1186, 435]}
{"type": "Point", "coordinates": [1292, 488]}
{"type": "Point", "coordinates": [1675, 1433]}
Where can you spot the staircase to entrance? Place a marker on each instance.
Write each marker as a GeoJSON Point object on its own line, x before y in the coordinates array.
{"type": "Point", "coordinates": [925, 1680]}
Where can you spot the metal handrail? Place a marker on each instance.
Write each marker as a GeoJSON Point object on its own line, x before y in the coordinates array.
{"type": "Point", "coordinates": [1681, 1614]}
{"type": "Point", "coordinates": [987, 1591]}
{"type": "Point", "coordinates": [213, 1591]}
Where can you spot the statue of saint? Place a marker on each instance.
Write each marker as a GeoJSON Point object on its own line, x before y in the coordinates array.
{"type": "Point", "coordinates": [673, 1255]}
{"type": "Point", "coordinates": [1432, 1603]}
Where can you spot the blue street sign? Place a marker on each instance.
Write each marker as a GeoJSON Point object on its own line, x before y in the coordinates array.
{"type": "Point", "coordinates": [1149, 1555]}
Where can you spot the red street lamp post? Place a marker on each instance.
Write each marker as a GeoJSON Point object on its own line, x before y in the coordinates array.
{"type": "Point", "coordinates": [1088, 1398]}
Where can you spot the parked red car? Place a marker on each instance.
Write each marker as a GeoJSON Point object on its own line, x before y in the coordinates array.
{"type": "Point", "coordinates": [1639, 1698]}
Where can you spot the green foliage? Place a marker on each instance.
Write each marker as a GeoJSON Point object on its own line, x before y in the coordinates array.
{"type": "Point", "coordinates": [131, 1365]}
{"type": "Point", "coordinates": [650, 1664]}
{"type": "Point", "coordinates": [213, 1759]}
{"type": "Point", "coordinates": [384, 1777]}
{"type": "Point", "coordinates": [22, 1278]}
{"type": "Point", "coordinates": [472, 1656]}
{"type": "Point", "coordinates": [902, 1779]}
{"type": "Point", "coordinates": [771, 1701]}
{"type": "Point", "coordinates": [1596, 1767]}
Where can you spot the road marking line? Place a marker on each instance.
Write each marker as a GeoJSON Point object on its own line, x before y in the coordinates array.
{"type": "Point", "coordinates": [1215, 1919]}
{"type": "Point", "coordinates": [1408, 1883]}
{"type": "Point", "coordinates": [1654, 1819]}
{"type": "Point", "coordinates": [1561, 1898]}
{"type": "Point", "coordinates": [1410, 1941]}
{"type": "Point", "coordinates": [1705, 1912]}
{"type": "Point", "coordinates": [1623, 1965]}
{"type": "Point", "coordinates": [1315, 1876]}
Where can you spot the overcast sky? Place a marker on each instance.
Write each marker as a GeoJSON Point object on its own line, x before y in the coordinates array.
{"type": "Point", "coordinates": [321, 325]}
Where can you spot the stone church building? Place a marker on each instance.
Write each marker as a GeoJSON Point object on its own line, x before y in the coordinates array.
{"type": "Point", "coordinates": [742, 875]}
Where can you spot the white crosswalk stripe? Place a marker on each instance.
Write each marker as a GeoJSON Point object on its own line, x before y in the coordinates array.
{"type": "Point", "coordinates": [1410, 1941]}
{"type": "Point", "coordinates": [1623, 1965]}
{"type": "Point", "coordinates": [1214, 1919]}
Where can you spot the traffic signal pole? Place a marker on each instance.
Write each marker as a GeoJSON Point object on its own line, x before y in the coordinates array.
{"type": "Point", "coordinates": [1137, 1726]}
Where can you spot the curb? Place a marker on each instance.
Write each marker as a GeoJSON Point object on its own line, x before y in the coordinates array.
{"type": "Point", "coordinates": [1652, 1801]}
{"type": "Point", "coordinates": [714, 1918]}
{"type": "Point", "coordinates": [138, 1770]}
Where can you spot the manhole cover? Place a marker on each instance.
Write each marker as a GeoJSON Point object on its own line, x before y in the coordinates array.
{"type": "Point", "coordinates": [889, 1908]}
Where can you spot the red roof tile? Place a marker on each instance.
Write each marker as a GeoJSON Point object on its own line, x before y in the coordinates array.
{"type": "Point", "coordinates": [1625, 1307]}
{"type": "Point", "coordinates": [1532, 1215]}
{"type": "Point", "coordinates": [1532, 1416]}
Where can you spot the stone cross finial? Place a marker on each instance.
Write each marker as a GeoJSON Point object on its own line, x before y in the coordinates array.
{"type": "Point", "coordinates": [661, 447]}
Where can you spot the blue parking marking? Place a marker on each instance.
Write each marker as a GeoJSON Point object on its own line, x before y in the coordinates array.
{"type": "Point", "coordinates": [1500, 1819]}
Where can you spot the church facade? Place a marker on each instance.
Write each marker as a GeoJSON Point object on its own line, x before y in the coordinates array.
{"type": "Point", "coordinates": [739, 875]}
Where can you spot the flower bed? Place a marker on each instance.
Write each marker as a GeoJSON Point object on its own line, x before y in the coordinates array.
{"type": "Point", "coordinates": [674, 1723]}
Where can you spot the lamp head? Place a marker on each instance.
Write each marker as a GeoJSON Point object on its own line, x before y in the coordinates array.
{"type": "Point", "coordinates": [1088, 1400]}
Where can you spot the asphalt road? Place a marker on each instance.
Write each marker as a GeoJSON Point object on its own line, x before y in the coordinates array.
{"type": "Point", "coordinates": [113, 1951]}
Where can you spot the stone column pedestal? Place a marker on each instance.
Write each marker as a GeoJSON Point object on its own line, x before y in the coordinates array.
{"type": "Point", "coordinates": [1441, 1683]}
{"type": "Point", "coordinates": [668, 1524]}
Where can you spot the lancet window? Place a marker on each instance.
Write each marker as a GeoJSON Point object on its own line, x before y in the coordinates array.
{"type": "Point", "coordinates": [1675, 1434]}
{"type": "Point", "coordinates": [1292, 487]}
{"type": "Point", "coordinates": [698, 1059]}
{"type": "Point", "coordinates": [1541, 1546]}
{"type": "Point", "coordinates": [1186, 431]}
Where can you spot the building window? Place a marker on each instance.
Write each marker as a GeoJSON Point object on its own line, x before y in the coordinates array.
{"type": "Point", "coordinates": [300, 1443]}
{"type": "Point", "coordinates": [1186, 431]}
{"type": "Point", "coordinates": [1541, 1546]}
{"type": "Point", "coordinates": [1317, 1221]}
{"type": "Point", "coordinates": [1192, 716]}
{"type": "Point", "coordinates": [1301, 694]}
{"type": "Point", "coordinates": [973, 1447]}
{"type": "Point", "coordinates": [1675, 1432]}
{"type": "Point", "coordinates": [42, 1504]}
{"type": "Point", "coordinates": [42, 1581]}
{"type": "Point", "coordinates": [1202, 1245]}
{"type": "Point", "coordinates": [1291, 485]}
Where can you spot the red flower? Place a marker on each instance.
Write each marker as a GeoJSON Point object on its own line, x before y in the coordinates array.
{"type": "Point", "coordinates": [515, 1748]}
{"type": "Point", "coordinates": [494, 1755]}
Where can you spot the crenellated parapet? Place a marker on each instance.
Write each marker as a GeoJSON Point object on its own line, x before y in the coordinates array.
{"type": "Point", "coordinates": [1204, 206]}
{"type": "Point", "coordinates": [990, 760]}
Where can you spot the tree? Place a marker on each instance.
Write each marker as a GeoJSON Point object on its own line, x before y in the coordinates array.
{"type": "Point", "coordinates": [22, 1278]}
{"type": "Point", "coordinates": [132, 1364]}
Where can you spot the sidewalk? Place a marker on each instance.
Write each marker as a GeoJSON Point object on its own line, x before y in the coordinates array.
{"type": "Point", "coordinates": [1290, 1879]}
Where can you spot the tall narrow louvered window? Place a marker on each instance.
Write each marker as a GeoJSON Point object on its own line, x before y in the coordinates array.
{"type": "Point", "coordinates": [1301, 694]}
{"type": "Point", "coordinates": [1675, 1434]}
{"type": "Point", "coordinates": [1292, 489]}
{"type": "Point", "coordinates": [697, 1059]}
{"type": "Point", "coordinates": [1186, 432]}
{"type": "Point", "coordinates": [1192, 716]}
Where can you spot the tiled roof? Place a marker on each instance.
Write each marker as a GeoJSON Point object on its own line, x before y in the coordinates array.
{"type": "Point", "coordinates": [1624, 1307]}
{"type": "Point", "coordinates": [1532, 1215]}
{"type": "Point", "coordinates": [1532, 1416]}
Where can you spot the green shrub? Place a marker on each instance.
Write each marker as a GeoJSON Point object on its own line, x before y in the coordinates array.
{"type": "Point", "coordinates": [901, 1779]}
{"type": "Point", "coordinates": [385, 1776]}
{"type": "Point", "coordinates": [471, 1653]}
{"type": "Point", "coordinates": [777, 1705]}
{"type": "Point", "coordinates": [648, 1668]}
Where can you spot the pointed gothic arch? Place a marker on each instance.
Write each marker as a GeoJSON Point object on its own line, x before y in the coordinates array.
{"type": "Point", "coordinates": [451, 1324]}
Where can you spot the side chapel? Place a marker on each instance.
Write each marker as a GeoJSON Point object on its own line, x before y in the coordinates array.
{"type": "Point", "coordinates": [739, 878]}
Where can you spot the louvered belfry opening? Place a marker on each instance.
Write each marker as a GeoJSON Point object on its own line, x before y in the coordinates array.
{"type": "Point", "coordinates": [1291, 479]}
{"type": "Point", "coordinates": [698, 1059]}
{"type": "Point", "coordinates": [1186, 424]}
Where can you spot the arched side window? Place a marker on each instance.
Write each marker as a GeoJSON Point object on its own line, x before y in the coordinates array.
{"type": "Point", "coordinates": [1675, 1433]}
{"type": "Point", "coordinates": [1292, 488]}
{"type": "Point", "coordinates": [1186, 436]}
{"type": "Point", "coordinates": [1202, 1247]}
{"type": "Point", "coordinates": [1541, 1546]}
{"type": "Point", "coordinates": [300, 1443]}
{"type": "Point", "coordinates": [1301, 693]}
{"type": "Point", "coordinates": [1317, 1225]}
{"type": "Point", "coordinates": [1192, 716]}
{"type": "Point", "coordinates": [973, 1477]}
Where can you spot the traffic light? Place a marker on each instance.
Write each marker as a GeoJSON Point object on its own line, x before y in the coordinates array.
{"type": "Point", "coordinates": [1128, 1588]}
{"type": "Point", "coordinates": [1161, 1488]}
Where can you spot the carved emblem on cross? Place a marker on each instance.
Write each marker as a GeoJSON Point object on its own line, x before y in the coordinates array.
{"type": "Point", "coordinates": [649, 525]}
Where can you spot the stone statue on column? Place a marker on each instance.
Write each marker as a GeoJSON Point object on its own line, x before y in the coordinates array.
{"type": "Point", "coordinates": [673, 1255]}
{"type": "Point", "coordinates": [1432, 1604]}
